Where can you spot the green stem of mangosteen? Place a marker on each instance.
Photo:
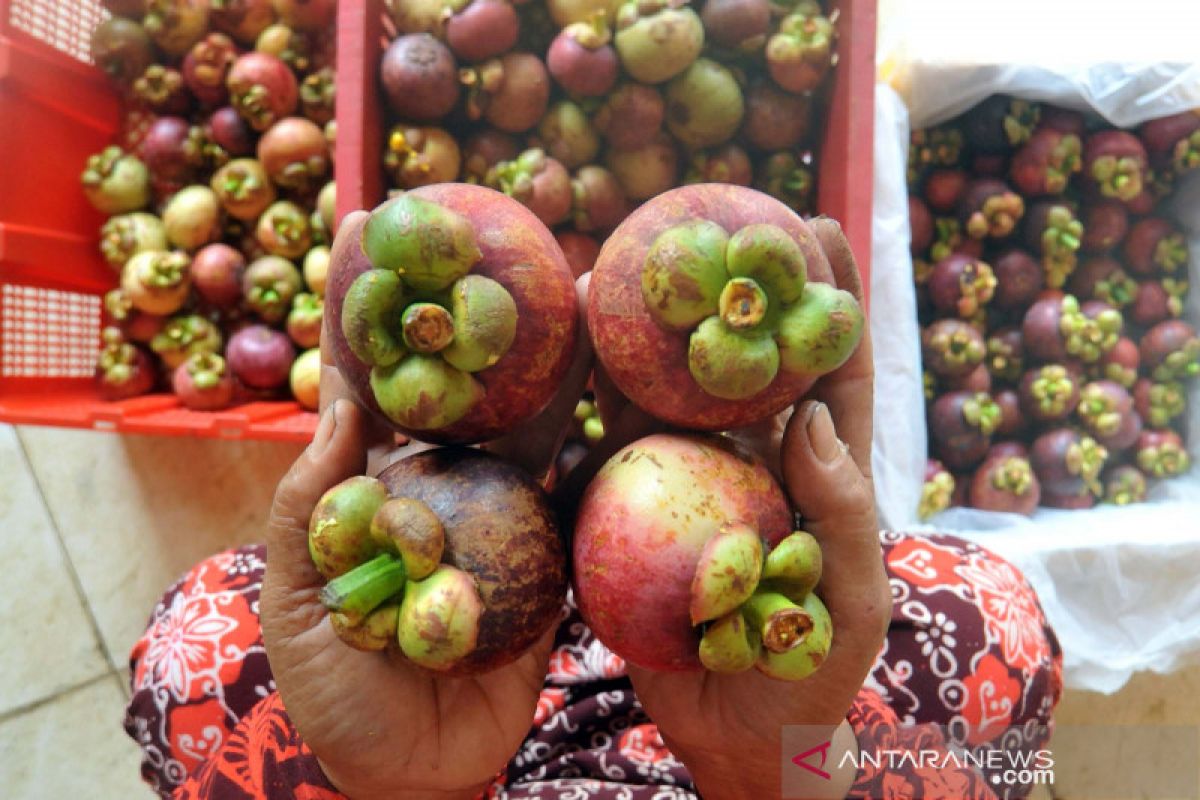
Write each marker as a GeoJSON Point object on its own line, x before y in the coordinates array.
{"type": "Point", "coordinates": [366, 587]}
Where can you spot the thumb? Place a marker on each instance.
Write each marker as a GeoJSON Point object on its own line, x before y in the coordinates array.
{"type": "Point", "coordinates": [337, 452]}
{"type": "Point", "coordinates": [837, 505]}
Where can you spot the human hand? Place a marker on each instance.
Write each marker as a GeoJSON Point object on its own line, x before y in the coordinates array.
{"type": "Point", "coordinates": [727, 728]}
{"type": "Point", "coordinates": [380, 726]}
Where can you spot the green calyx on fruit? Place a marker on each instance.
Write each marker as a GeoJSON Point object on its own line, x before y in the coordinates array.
{"type": "Point", "coordinates": [1084, 459]}
{"type": "Point", "coordinates": [1117, 288]}
{"type": "Point", "coordinates": [1013, 475]}
{"type": "Point", "coordinates": [981, 412]}
{"type": "Point", "coordinates": [657, 39]}
{"type": "Point", "coordinates": [1063, 233]}
{"type": "Point", "coordinates": [124, 235]}
{"type": "Point", "coordinates": [420, 320]}
{"type": "Point", "coordinates": [1052, 389]}
{"type": "Point", "coordinates": [801, 52]}
{"type": "Point", "coordinates": [1171, 252]}
{"type": "Point", "coordinates": [163, 270]}
{"type": "Point", "coordinates": [787, 178]}
{"type": "Point", "coordinates": [1181, 364]}
{"type": "Point", "coordinates": [1176, 289]}
{"type": "Point", "coordinates": [1097, 410]}
{"type": "Point", "coordinates": [157, 84]}
{"type": "Point", "coordinates": [936, 494]}
{"type": "Point", "coordinates": [997, 217]}
{"type": "Point", "coordinates": [1167, 401]}
{"type": "Point", "coordinates": [1003, 360]}
{"type": "Point", "coordinates": [1164, 460]}
{"type": "Point", "coordinates": [439, 618]}
{"type": "Point", "coordinates": [207, 369]}
{"type": "Point", "coordinates": [373, 633]}
{"type": "Point", "coordinates": [339, 531]}
{"type": "Point", "coordinates": [1089, 338]}
{"type": "Point", "coordinates": [1021, 120]}
{"type": "Point", "coordinates": [515, 177]}
{"type": "Point", "coordinates": [183, 336]}
{"type": "Point", "coordinates": [1118, 177]}
{"type": "Point", "coordinates": [1065, 160]}
{"type": "Point", "coordinates": [1186, 154]}
{"type": "Point", "coordinates": [947, 236]}
{"type": "Point", "coordinates": [746, 300]}
{"type": "Point", "coordinates": [1126, 486]}
{"type": "Point", "coordinates": [409, 528]}
{"type": "Point", "coordinates": [759, 610]}
{"type": "Point", "coordinates": [976, 285]}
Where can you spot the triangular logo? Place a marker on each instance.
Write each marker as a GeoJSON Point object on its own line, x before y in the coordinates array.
{"type": "Point", "coordinates": [802, 760]}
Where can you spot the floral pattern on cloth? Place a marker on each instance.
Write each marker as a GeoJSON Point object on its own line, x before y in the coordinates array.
{"type": "Point", "coordinates": [969, 659]}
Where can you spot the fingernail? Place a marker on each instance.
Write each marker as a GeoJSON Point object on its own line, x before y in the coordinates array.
{"type": "Point", "coordinates": [822, 436]}
{"type": "Point", "coordinates": [325, 428]}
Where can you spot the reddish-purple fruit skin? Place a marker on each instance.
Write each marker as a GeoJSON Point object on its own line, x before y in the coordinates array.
{"type": "Point", "coordinates": [483, 29]}
{"type": "Point", "coordinates": [217, 274]}
{"type": "Point", "coordinates": [516, 558]}
{"type": "Point", "coordinates": [729, 23]}
{"type": "Point", "coordinates": [944, 188]}
{"type": "Point", "coordinates": [1048, 456]}
{"type": "Point", "coordinates": [276, 79]}
{"type": "Point", "coordinates": [977, 380]}
{"type": "Point", "coordinates": [1151, 305]}
{"type": "Point", "coordinates": [1104, 225]}
{"type": "Point", "coordinates": [1040, 330]}
{"type": "Point", "coordinates": [419, 78]}
{"type": "Point", "coordinates": [260, 357]}
{"type": "Point", "coordinates": [985, 496]}
{"type": "Point", "coordinates": [1006, 449]}
{"type": "Point", "coordinates": [1141, 241]}
{"type": "Point", "coordinates": [205, 67]}
{"type": "Point", "coordinates": [957, 443]}
{"type": "Point", "coordinates": [631, 117]}
{"type": "Point", "coordinates": [920, 224]}
{"type": "Point", "coordinates": [579, 70]}
{"type": "Point", "coordinates": [523, 95]}
{"type": "Point", "coordinates": [197, 399]}
{"type": "Point", "coordinates": [1012, 418]}
{"type": "Point", "coordinates": [946, 282]}
{"type": "Point", "coordinates": [1019, 279]}
{"type": "Point", "coordinates": [1162, 340]}
{"type": "Point", "coordinates": [163, 149]}
{"type": "Point", "coordinates": [775, 119]}
{"type": "Point", "coordinates": [140, 381]}
{"type": "Point", "coordinates": [227, 129]}
{"type": "Point", "coordinates": [521, 254]}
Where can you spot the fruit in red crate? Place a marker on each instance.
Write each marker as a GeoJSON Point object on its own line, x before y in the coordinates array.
{"type": "Point", "coordinates": [952, 348]}
{"type": "Point", "coordinates": [482, 29]}
{"type": "Point", "coordinates": [598, 203]}
{"type": "Point", "coordinates": [1159, 403]}
{"type": "Point", "coordinates": [327, 206]}
{"type": "Point", "coordinates": [789, 179]}
{"type": "Point", "coordinates": [1045, 163]}
{"type": "Point", "coordinates": [226, 129]}
{"type": "Point", "coordinates": [800, 53]}
{"type": "Point", "coordinates": [657, 39]}
{"type": "Point", "coordinates": [539, 182]}
{"type": "Point", "coordinates": [115, 182]}
{"type": "Point", "coordinates": [775, 119]}
{"type": "Point", "coordinates": [1104, 224]}
{"type": "Point", "coordinates": [1000, 122]}
{"type": "Point", "coordinates": [1056, 328]}
{"type": "Point", "coordinates": [122, 49]}
{"type": "Point", "coordinates": [185, 335]}
{"type": "Point", "coordinates": [260, 357]}
{"type": "Point", "coordinates": [243, 188]}
{"type": "Point", "coordinates": [734, 23]}
{"type": "Point", "coordinates": [304, 320]}
{"type": "Point", "coordinates": [420, 156]}
{"type": "Point", "coordinates": [175, 25]}
{"type": "Point", "coordinates": [1124, 484]}
{"type": "Point", "coordinates": [1161, 454]}
{"type": "Point", "coordinates": [269, 285]}
{"type": "Point", "coordinates": [962, 285]}
{"type": "Point", "coordinates": [419, 77]}
{"type": "Point", "coordinates": [293, 47]}
{"type": "Point", "coordinates": [1049, 393]}
{"type": "Point", "coordinates": [135, 325]}
{"type": "Point", "coordinates": [945, 188]}
{"type": "Point", "coordinates": [284, 230]}
{"type": "Point", "coordinates": [125, 8]}
{"type": "Point", "coordinates": [244, 20]}
{"type": "Point", "coordinates": [631, 116]}
{"type": "Point", "coordinates": [704, 105]}
{"type": "Point", "coordinates": [1114, 164]}
{"type": "Point", "coordinates": [484, 149]}
{"type": "Point", "coordinates": [316, 268]}
{"type": "Point", "coordinates": [1154, 245]}
{"type": "Point", "coordinates": [937, 490]}
{"type": "Point", "coordinates": [961, 425]}
{"type": "Point", "coordinates": [1067, 462]}
{"type": "Point", "coordinates": [1053, 232]}
{"type": "Point", "coordinates": [192, 218]}
{"type": "Point", "coordinates": [203, 382]}
{"type": "Point", "coordinates": [474, 591]}
{"type": "Point", "coordinates": [990, 209]}
{"type": "Point", "coordinates": [920, 225]}
{"type": "Point", "coordinates": [1019, 279]}
{"type": "Point", "coordinates": [473, 336]}
{"type": "Point", "coordinates": [157, 282]}
{"type": "Point", "coordinates": [216, 272]}
{"type": "Point", "coordinates": [125, 234]}
{"type": "Point", "coordinates": [294, 153]}
{"type": "Point", "coordinates": [1107, 413]}
{"type": "Point", "coordinates": [304, 379]}
{"type": "Point", "coordinates": [206, 67]}
{"type": "Point", "coordinates": [1005, 357]}
{"type": "Point", "coordinates": [123, 369]}
{"type": "Point", "coordinates": [711, 307]}
{"type": "Point", "coordinates": [582, 59]}
{"type": "Point", "coordinates": [1103, 278]}
{"type": "Point", "coordinates": [307, 15]}
{"type": "Point", "coordinates": [1173, 140]}
{"type": "Point", "coordinates": [725, 164]}
{"type": "Point", "coordinates": [712, 571]}
{"type": "Point", "coordinates": [566, 135]}
{"type": "Point", "coordinates": [318, 95]}
{"type": "Point", "coordinates": [262, 88]}
{"type": "Point", "coordinates": [162, 90]}
{"type": "Point", "coordinates": [580, 249]}
{"type": "Point", "coordinates": [166, 151]}
{"type": "Point", "coordinates": [646, 171]}
{"type": "Point", "coordinates": [1005, 483]}
{"type": "Point", "coordinates": [1153, 303]}
{"type": "Point", "coordinates": [510, 92]}
{"type": "Point", "coordinates": [1171, 351]}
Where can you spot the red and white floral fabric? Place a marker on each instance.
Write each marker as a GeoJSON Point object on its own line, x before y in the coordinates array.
{"type": "Point", "coordinates": [969, 660]}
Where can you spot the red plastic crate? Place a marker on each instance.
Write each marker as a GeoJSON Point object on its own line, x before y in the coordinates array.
{"type": "Point", "coordinates": [846, 168]}
{"type": "Point", "coordinates": [57, 109]}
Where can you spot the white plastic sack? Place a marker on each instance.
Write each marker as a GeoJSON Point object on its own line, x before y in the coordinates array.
{"type": "Point", "coordinates": [1121, 586]}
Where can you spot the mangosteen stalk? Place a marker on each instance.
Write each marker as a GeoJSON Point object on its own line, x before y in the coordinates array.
{"type": "Point", "coordinates": [760, 612]}
{"type": "Point", "coordinates": [936, 494]}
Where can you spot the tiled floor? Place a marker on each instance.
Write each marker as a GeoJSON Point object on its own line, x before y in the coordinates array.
{"type": "Point", "coordinates": [95, 526]}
